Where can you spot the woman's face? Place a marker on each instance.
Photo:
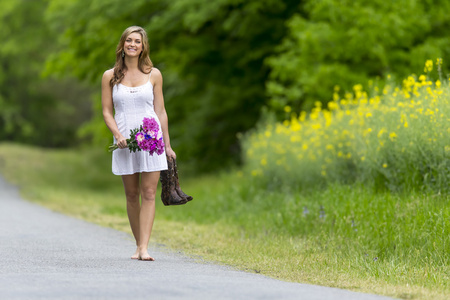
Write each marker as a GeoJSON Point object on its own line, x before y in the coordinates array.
{"type": "Point", "coordinates": [133, 44]}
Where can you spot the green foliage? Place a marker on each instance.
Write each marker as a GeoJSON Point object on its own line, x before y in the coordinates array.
{"type": "Point", "coordinates": [34, 110]}
{"type": "Point", "coordinates": [334, 42]}
{"type": "Point", "coordinates": [222, 62]}
{"type": "Point", "coordinates": [399, 140]}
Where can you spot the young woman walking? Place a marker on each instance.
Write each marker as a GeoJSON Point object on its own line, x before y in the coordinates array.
{"type": "Point", "coordinates": [131, 91]}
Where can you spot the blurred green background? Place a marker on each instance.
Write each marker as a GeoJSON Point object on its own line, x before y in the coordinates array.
{"type": "Point", "coordinates": [226, 63]}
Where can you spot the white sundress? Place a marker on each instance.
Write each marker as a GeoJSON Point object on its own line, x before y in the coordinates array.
{"type": "Point", "coordinates": [131, 105]}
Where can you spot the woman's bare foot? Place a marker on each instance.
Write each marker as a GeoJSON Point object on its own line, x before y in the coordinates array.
{"type": "Point", "coordinates": [145, 256]}
{"type": "Point", "coordinates": [136, 254]}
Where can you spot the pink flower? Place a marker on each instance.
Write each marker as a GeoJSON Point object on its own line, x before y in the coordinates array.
{"type": "Point", "coordinates": [150, 124]}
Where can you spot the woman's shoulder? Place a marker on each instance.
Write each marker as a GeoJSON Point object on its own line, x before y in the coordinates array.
{"type": "Point", "coordinates": [156, 72]}
{"type": "Point", "coordinates": [108, 74]}
{"type": "Point", "coordinates": [107, 77]}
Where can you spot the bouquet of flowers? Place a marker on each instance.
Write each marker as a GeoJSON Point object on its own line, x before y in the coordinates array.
{"type": "Point", "coordinates": [147, 137]}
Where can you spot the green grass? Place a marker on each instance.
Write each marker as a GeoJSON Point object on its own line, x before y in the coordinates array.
{"type": "Point", "coordinates": [340, 236]}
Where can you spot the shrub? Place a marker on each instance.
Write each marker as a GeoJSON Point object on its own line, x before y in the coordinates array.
{"type": "Point", "coordinates": [397, 138]}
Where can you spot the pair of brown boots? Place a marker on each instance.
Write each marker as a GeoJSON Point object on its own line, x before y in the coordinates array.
{"type": "Point", "coordinates": [171, 193]}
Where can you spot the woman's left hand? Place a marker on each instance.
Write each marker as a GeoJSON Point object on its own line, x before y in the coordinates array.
{"type": "Point", "coordinates": [170, 153]}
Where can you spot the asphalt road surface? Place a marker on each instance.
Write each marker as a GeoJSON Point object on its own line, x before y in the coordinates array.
{"type": "Point", "coordinates": [47, 255]}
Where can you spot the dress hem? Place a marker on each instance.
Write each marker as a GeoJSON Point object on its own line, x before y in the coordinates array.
{"type": "Point", "coordinates": [141, 171]}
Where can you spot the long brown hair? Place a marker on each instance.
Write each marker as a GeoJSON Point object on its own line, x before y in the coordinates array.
{"type": "Point", "coordinates": [144, 62]}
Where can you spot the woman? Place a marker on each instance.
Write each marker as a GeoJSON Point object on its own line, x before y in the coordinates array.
{"type": "Point", "coordinates": [133, 90]}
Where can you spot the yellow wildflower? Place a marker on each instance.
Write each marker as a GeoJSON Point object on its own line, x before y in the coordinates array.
{"type": "Point", "coordinates": [333, 105]}
{"type": "Point", "coordinates": [392, 136]}
{"type": "Point", "coordinates": [428, 66]}
{"type": "Point", "coordinates": [263, 162]}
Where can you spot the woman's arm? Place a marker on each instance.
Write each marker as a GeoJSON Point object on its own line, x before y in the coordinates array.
{"type": "Point", "coordinates": [108, 109]}
{"type": "Point", "coordinates": [161, 110]}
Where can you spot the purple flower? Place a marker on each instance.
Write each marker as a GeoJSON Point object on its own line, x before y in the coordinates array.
{"type": "Point", "coordinates": [150, 124]}
{"type": "Point", "coordinates": [160, 146]}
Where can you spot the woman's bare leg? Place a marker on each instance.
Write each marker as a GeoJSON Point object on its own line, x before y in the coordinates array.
{"type": "Point", "coordinates": [132, 193]}
{"type": "Point", "coordinates": [149, 183]}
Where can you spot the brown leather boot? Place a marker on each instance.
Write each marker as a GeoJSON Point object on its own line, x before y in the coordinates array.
{"type": "Point", "coordinates": [165, 186]}
{"type": "Point", "coordinates": [177, 183]}
{"type": "Point", "coordinates": [169, 195]}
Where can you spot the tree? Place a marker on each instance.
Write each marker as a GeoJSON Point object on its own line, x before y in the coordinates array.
{"type": "Point", "coordinates": [211, 54]}
{"type": "Point", "coordinates": [32, 109]}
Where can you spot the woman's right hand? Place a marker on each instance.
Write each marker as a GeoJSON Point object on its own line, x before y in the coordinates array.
{"type": "Point", "coordinates": [121, 142]}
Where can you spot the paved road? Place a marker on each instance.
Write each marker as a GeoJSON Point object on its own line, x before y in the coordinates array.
{"type": "Point", "coordinates": [46, 255]}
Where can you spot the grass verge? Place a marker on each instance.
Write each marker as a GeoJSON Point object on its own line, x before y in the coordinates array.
{"type": "Point", "coordinates": [341, 236]}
